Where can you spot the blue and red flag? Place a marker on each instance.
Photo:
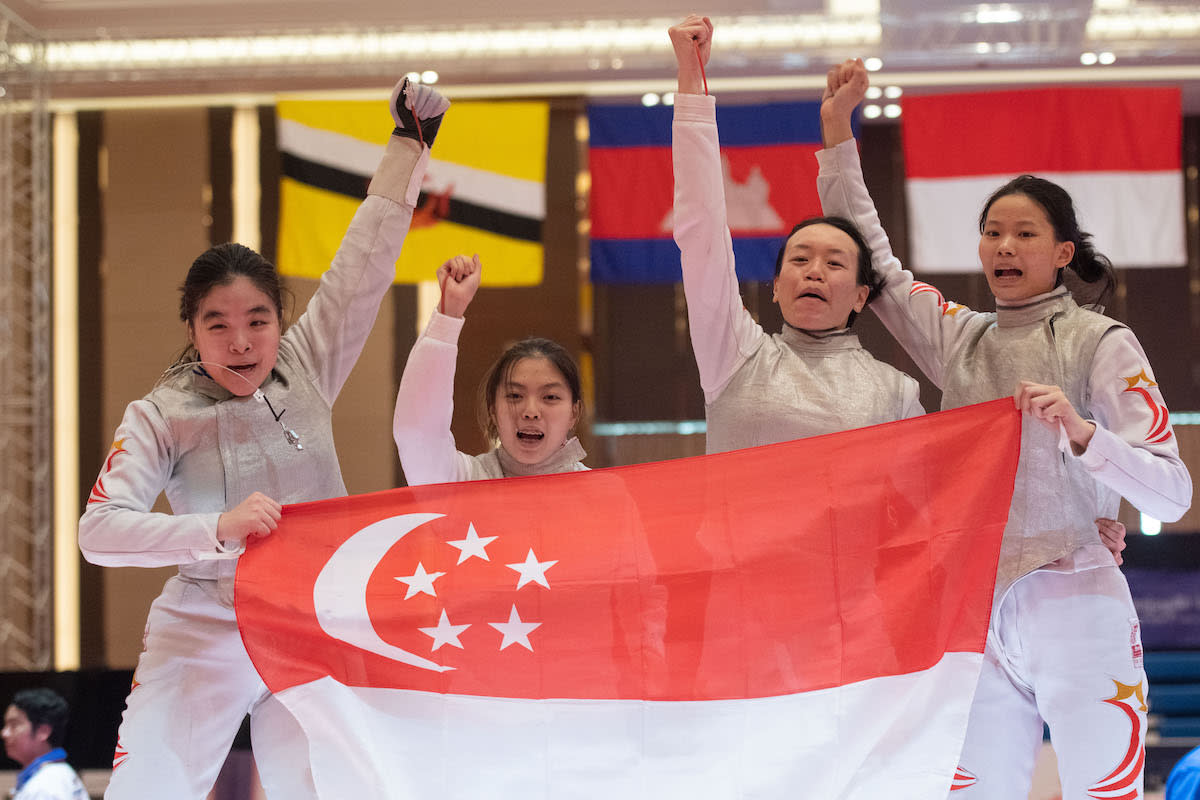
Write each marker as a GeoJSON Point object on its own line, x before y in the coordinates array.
{"type": "Point", "coordinates": [770, 185]}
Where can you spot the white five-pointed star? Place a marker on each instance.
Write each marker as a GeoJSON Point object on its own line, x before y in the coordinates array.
{"type": "Point", "coordinates": [473, 545]}
{"type": "Point", "coordinates": [515, 631]}
{"type": "Point", "coordinates": [445, 633]}
{"type": "Point", "coordinates": [420, 582]}
{"type": "Point", "coordinates": [532, 570]}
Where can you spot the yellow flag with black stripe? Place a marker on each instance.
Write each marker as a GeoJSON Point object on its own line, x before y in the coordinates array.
{"type": "Point", "coordinates": [484, 191]}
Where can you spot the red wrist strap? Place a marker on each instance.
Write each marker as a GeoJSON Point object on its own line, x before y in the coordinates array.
{"type": "Point", "coordinates": [700, 61]}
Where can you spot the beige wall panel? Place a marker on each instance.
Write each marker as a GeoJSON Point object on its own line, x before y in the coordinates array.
{"type": "Point", "coordinates": [1189, 451]}
{"type": "Point", "coordinates": [154, 226]}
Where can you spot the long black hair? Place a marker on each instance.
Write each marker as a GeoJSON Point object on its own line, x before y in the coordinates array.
{"type": "Point", "coordinates": [1089, 266]}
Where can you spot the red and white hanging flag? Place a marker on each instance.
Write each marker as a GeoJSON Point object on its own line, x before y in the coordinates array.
{"type": "Point", "coordinates": [1117, 151]}
{"type": "Point", "coordinates": [802, 619]}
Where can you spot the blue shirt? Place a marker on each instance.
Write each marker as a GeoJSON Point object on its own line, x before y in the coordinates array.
{"type": "Point", "coordinates": [57, 754]}
{"type": "Point", "coordinates": [1184, 781]}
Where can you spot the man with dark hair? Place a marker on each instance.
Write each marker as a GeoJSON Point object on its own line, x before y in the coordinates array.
{"type": "Point", "coordinates": [34, 726]}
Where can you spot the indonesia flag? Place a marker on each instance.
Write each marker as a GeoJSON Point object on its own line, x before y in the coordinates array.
{"type": "Point", "coordinates": [1117, 151]}
{"type": "Point", "coordinates": [770, 185]}
{"type": "Point", "coordinates": [804, 619]}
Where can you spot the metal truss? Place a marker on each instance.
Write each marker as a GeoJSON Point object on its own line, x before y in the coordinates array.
{"type": "Point", "coordinates": [26, 488]}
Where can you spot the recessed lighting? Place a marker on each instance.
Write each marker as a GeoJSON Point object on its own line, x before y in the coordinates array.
{"type": "Point", "coordinates": [873, 64]}
{"type": "Point", "coordinates": [891, 110]}
{"type": "Point", "coordinates": [892, 92]}
{"type": "Point", "coordinates": [997, 15]}
{"type": "Point", "coordinates": [874, 93]}
{"type": "Point", "coordinates": [1087, 59]}
{"type": "Point", "coordinates": [649, 99]}
{"type": "Point", "coordinates": [872, 111]}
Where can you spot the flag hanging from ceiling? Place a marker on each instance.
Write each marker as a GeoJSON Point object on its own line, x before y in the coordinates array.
{"type": "Point", "coordinates": [1117, 151]}
{"type": "Point", "coordinates": [484, 190]}
{"type": "Point", "coordinates": [801, 618]}
{"type": "Point", "coordinates": [770, 185]}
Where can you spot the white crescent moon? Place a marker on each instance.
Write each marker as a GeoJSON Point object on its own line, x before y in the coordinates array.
{"type": "Point", "coordinates": [340, 591]}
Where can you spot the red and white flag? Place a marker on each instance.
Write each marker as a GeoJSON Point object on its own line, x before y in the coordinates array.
{"type": "Point", "coordinates": [1117, 151]}
{"type": "Point", "coordinates": [803, 619]}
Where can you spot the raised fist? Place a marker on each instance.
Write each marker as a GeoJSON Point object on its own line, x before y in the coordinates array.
{"type": "Point", "coordinates": [417, 110]}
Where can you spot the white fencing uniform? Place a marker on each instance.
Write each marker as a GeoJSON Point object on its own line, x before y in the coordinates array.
{"type": "Point", "coordinates": [761, 389]}
{"type": "Point", "coordinates": [1064, 646]}
{"type": "Point", "coordinates": [425, 408]}
{"type": "Point", "coordinates": [209, 451]}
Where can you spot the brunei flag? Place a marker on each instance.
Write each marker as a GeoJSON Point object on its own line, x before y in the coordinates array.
{"type": "Point", "coordinates": [484, 191]}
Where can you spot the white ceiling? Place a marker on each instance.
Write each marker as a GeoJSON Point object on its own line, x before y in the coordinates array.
{"type": "Point", "coordinates": [925, 45]}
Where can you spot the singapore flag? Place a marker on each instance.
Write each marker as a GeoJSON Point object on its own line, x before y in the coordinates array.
{"type": "Point", "coordinates": [805, 619]}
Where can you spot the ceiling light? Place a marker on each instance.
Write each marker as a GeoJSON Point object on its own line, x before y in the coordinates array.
{"type": "Point", "coordinates": [983, 47]}
{"type": "Point", "coordinates": [1133, 22]}
{"type": "Point", "coordinates": [851, 8]}
{"type": "Point", "coordinates": [874, 93]}
{"type": "Point", "coordinates": [995, 15]}
{"type": "Point", "coordinates": [1087, 59]}
{"type": "Point", "coordinates": [872, 111]}
{"type": "Point", "coordinates": [892, 92]}
{"type": "Point", "coordinates": [1003, 47]}
{"type": "Point", "coordinates": [891, 110]}
{"type": "Point", "coordinates": [1107, 58]}
{"type": "Point", "coordinates": [429, 76]}
{"type": "Point", "coordinates": [649, 99]}
{"type": "Point", "coordinates": [598, 42]}
{"type": "Point", "coordinates": [873, 64]}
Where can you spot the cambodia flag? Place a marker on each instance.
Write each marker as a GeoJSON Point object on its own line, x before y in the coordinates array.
{"type": "Point", "coordinates": [1117, 151]}
{"type": "Point", "coordinates": [802, 619]}
{"type": "Point", "coordinates": [770, 185]}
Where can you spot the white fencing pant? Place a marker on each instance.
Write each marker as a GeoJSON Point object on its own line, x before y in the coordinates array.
{"type": "Point", "coordinates": [1064, 648]}
{"type": "Point", "coordinates": [193, 686]}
